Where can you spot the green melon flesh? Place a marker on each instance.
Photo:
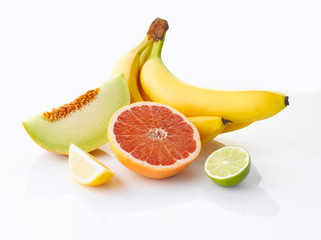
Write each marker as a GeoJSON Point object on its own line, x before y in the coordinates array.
{"type": "Point", "coordinates": [87, 127]}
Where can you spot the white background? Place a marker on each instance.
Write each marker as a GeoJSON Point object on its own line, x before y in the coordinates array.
{"type": "Point", "coordinates": [53, 51]}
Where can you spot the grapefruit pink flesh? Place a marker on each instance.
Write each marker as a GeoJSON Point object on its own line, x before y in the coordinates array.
{"type": "Point", "coordinates": [153, 139]}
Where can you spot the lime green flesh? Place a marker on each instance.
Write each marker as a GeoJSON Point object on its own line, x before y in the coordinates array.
{"type": "Point", "coordinates": [228, 165]}
{"type": "Point", "coordinates": [87, 127]}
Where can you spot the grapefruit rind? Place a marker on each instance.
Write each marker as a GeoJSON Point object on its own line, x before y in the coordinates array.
{"type": "Point", "coordinates": [142, 167]}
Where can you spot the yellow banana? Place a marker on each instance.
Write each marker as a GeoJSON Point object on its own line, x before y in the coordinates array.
{"type": "Point", "coordinates": [145, 55]}
{"type": "Point", "coordinates": [129, 64]}
{"type": "Point", "coordinates": [132, 62]}
{"type": "Point", "coordinates": [229, 127]}
{"type": "Point", "coordinates": [208, 126]}
{"type": "Point", "coordinates": [205, 124]}
{"type": "Point", "coordinates": [238, 106]}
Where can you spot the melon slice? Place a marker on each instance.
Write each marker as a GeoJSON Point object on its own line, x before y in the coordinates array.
{"type": "Point", "coordinates": [83, 122]}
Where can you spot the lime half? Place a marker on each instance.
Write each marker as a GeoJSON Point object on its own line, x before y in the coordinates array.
{"type": "Point", "coordinates": [228, 165]}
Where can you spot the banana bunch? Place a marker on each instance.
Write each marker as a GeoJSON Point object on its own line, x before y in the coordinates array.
{"type": "Point", "coordinates": [211, 111]}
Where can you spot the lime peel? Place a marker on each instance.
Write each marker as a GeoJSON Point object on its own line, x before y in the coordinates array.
{"type": "Point", "coordinates": [228, 165]}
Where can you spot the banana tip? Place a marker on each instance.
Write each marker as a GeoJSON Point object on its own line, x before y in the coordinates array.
{"type": "Point", "coordinates": [225, 121]}
{"type": "Point", "coordinates": [286, 101]}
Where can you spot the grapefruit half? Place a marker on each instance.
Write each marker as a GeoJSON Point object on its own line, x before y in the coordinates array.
{"type": "Point", "coordinates": [153, 139]}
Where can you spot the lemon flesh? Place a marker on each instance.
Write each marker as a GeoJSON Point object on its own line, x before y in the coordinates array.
{"type": "Point", "coordinates": [228, 165]}
{"type": "Point", "coordinates": [86, 169]}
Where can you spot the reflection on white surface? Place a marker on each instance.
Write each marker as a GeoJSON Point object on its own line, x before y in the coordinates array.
{"type": "Point", "coordinates": [246, 198]}
{"type": "Point", "coordinates": [48, 175]}
{"type": "Point", "coordinates": [128, 192]}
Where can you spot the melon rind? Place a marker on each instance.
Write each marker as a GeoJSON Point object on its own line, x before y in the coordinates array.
{"type": "Point", "coordinates": [87, 128]}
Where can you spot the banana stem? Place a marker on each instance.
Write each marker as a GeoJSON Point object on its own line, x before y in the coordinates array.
{"type": "Point", "coordinates": [157, 31]}
{"type": "Point", "coordinates": [157, 48]}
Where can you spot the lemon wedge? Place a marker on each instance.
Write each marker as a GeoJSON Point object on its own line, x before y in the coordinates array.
{"type": "Point", "coordinates": [86, 169]}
